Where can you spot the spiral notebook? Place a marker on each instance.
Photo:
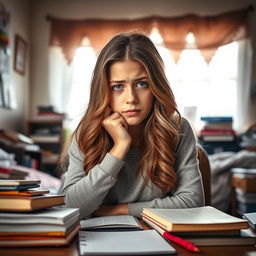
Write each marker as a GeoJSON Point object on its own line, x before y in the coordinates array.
{"type": "Point", "coordinates": [145, 242]}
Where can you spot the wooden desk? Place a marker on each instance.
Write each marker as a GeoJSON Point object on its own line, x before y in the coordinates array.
{"type": "Point", "coordinates": [72, 250]}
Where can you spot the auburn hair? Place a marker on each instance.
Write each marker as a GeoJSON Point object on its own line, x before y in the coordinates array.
{"type": "Point", "coordinates": [161, 133]}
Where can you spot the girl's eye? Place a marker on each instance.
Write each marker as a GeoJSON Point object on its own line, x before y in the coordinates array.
{"type": "Point", "coordinates": [117, 87]}
{"type": "Point", "coordinates": [142, 84]}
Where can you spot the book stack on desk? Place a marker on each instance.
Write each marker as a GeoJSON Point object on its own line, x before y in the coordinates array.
{"type": "Point", "coordinates": [30, 217]}
{"type": "Point", "coordinates": [48, 227]}
{"type": "Point", "coordinates": [204, 226]}
{"type": "Point", "coordinates": [18, 196]}
{"type": "Point", "coordinates": [244, 180]}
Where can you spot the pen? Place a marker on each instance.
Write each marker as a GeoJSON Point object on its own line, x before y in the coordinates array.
{"type": "Point", "coordinates": [183, 243]}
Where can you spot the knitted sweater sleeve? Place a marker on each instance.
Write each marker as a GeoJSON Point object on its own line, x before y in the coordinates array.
{"type": "Point", "coordinates": [87, 192]}
{"type": "Point", "coordinates": [189, 189]}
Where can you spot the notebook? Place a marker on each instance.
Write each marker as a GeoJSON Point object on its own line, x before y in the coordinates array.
{"type": "Point", "coordinates": [117, 222]}
{"type": "Point", "coordinates": [145, 242]}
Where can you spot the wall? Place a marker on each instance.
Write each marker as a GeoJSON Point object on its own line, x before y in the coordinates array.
{"type": "Point", "coordinates": [120, 9]}
{"type": "Point", "coordinates": [19, 24]}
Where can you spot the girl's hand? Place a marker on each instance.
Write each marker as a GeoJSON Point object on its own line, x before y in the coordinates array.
{"type": "Point", "coordinates": [117, 128]}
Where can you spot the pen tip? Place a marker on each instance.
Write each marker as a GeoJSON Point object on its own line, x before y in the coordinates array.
{"type": "Point", "coordinates": [196, 249]}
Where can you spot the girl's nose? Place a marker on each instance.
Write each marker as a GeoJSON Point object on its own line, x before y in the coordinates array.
{"type": "Point", "coordinates": [131, 97]}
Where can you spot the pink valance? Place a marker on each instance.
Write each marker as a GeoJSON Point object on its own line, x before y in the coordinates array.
{"type": "Point", "coordinates": [210, 32]}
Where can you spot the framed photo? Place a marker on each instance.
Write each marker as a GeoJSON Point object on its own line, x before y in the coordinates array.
{"type": "Point", "coordinates": [20, 51]}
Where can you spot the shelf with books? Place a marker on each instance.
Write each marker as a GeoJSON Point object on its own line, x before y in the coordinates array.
{"type": "Point", "coordinates": [28, 155]}
{"type": "Point", "coordinates": [48, 134]}
{"type": "Point", "coordinates": [217, 134]}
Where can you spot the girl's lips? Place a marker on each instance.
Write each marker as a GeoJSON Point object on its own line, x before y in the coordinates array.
{"type": "Point", "coordinates": [132, 112]}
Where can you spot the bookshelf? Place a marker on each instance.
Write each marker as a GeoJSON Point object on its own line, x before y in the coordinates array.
{"type": "Point", "coordinates": [48, 134]}
{"type": "Point", "coordinates": [23, 156]}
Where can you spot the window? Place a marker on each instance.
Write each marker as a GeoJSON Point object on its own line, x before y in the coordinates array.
{"type": "Point", "coordinates": [204, 89]}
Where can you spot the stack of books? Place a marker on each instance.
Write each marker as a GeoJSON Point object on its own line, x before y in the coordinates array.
{"type": "Point", "coordinates": [30, 217]}
{"type": "Point", "coordinates": [49, 113]}
{"type": "Point", "coordinates": [19, 196]}
{"type": "Point", "coordinates": [204, 226]}
{"type": "Point", "coordinates": [244, 180]}
{"type": "Point", "coordinates": [217, 128]}
{"type": "Point", "coordinates": [49, 227]}
{"type": "Point", "coordinates": [12, 173]}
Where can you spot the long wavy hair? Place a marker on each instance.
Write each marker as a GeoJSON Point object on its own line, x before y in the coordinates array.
{"type": "Point", "coordinates": [161, 133]}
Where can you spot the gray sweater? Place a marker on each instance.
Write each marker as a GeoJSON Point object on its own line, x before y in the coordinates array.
{"type": "Point", "coordinates": [116, 181]}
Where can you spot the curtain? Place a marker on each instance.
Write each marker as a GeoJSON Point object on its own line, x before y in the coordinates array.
{"type": "Point", "coordinates": [210, 31]}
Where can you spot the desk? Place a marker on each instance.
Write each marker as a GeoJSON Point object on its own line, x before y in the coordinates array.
{"type": "Point", "coordinates": [72, 250]}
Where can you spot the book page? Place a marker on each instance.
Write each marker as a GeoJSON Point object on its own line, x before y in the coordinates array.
{"type": "Point", "coordinates": [110, 221]}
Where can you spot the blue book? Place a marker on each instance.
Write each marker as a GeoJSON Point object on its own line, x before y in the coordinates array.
{"type": "Point", "coordinates": [18, 187]}
{"type": "Point", "coordinates": [9, 185]}
{"type": "Point", "coordinates": [216, 119]}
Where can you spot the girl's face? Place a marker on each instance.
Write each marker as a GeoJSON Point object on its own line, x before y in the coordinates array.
{"type": "Point", "coordinates": [130, 93]}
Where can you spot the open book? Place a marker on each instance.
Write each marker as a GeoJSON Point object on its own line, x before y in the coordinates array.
{"type": "Point", "coordinates": [119, 222]}
{"type": "Point", "coordinates": [193, 219]}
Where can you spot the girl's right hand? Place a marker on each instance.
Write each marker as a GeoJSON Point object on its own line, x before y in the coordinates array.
{"type": "Point", "coordinates": [117, 128]}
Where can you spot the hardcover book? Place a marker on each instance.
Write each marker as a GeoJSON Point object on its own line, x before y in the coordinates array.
{"type": "Point", "coordinates": [193, 219]}
{"type": "Point", "coordinates": [29, 203]}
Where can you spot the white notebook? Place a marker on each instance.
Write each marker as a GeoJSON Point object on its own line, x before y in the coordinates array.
{"type": "Point", "coordinates": [146, 242]}
{"type": "Point", "coordinates": [117, 222]}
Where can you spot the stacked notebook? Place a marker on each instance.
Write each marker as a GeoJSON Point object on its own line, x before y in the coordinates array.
{"type": "Point", "coordinates": [204, 226]}
{"type": "Point", "coordinates": [49, 227]}
{"type": "Point", "coordinates": [18, 195]}
{"type": "Point", "coordinates": [30, 217]}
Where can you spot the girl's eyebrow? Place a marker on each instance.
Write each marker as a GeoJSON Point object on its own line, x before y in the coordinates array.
{"type": "Point", "coordinates": [141, 78]}
{"type": "Point", "coordinates": [123, 81]}
{"type": "Point", "coordinates": [117, 81]}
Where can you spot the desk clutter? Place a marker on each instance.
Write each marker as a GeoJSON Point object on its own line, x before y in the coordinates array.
{"type": "Point", "coordinates": [31, 217]}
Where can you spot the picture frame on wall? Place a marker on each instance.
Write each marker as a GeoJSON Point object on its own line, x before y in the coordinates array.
{"type": "Point", "coordinates": [20, 52]}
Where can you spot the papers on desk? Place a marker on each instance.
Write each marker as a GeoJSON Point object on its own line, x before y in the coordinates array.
{"type": "Point", "coordinates": [146, 242]}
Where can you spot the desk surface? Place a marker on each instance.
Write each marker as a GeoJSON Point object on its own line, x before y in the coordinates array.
{"type": "Point", "coordinates": [72, 250]}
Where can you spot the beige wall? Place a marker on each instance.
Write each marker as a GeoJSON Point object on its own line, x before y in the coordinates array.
{"type": "Point", "coordinates": [19, 24]}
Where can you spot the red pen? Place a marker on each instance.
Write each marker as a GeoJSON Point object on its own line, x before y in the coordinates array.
{"type": "Point", "coordinates": [183, 243]}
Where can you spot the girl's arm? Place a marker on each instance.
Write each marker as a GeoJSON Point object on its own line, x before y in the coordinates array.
{"type": "Point", "coordinates": [88, 192]}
